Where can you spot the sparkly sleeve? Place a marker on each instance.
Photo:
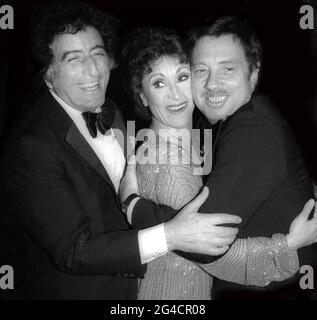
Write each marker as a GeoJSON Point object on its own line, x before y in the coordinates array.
{"type": "Point", "coordinates": [256, 261]}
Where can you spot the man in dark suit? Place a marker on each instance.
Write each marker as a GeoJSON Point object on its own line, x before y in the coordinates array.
{"type": "Point", "coordinates": [63, 166]}
{"type": "Point", "coordinates": [258, 170]}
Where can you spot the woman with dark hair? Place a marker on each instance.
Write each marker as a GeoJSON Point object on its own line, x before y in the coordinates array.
{"type": "Point", "coordinates": [160, 83]}
{"type": "Point", "coordinates": [159, 75]}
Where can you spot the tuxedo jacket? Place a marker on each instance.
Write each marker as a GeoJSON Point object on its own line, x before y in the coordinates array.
{"type": "Point", "coordinates": [259, 174]}
{"type": "Point", "coordinates": [80, 245]}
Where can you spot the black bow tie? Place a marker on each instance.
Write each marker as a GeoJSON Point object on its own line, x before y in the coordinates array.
{"type": "Point", "coordinates": [101, 121]}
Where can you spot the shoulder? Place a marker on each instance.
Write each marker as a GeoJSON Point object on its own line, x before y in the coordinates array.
{"type": "Point", "coordinates": [35, 132]}
{"type": "Point", "coordinates": [260, 111]}
{"type": "Point", "coordinates": [39, 119]}
{"type": "Point", "coordinates": [255, 133]}
{"type": "Point", "coordinates": [259, 119]}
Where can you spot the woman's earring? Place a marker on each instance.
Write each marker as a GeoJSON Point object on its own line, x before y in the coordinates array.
{"type": "Point", "coordinates": [144, 100]}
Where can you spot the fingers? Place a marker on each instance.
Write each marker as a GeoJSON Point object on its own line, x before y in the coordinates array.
{"type": "Point", "coordinates": [132, 141]}
{"type": "Point", "coordinates": [307, 209]}
{"type": "Point", "coordinates": [223, 218]}
{"type": "Point", "coordinates": [224, 232]}
{"type": "Point", "coordinates": [195, 204]}
{"type": "Point", "coordinates": [221, 242]}
{"type": "Point", "coordinates": [218, 251]}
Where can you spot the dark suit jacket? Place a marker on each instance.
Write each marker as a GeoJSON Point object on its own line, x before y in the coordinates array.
{"type": "Point", "coordinates": [259, 174]}
{"type": "Point", "coordinates": [80, 245]}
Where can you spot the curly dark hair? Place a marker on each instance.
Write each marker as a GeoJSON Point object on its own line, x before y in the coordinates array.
{"type": "Point", "coordinates": [240, 29]}
{"type": "Point", "coordinates": [141, 48]}
{"type": "Point", "coordinates": [71, 17]}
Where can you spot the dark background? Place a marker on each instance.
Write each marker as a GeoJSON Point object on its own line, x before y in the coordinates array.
{"type": "Point", "coordinates": [289, 75]}
{"type": "Point", "coordinates": [289, 71]}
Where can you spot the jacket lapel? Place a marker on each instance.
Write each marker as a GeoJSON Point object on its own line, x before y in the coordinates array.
{"type": "Point", "coordinates": [69, 132]}
{"type": "Point", "coordinates": [120, 130]}
{"type": "Point", "coordinates": [81, 146]}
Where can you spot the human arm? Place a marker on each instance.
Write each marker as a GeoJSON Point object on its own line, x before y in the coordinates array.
{"type": "Point", "coordinates": [141, 213]}
{"type": "Point", "coordinates": [258, 261]}
{"type": "Point", "coordinates": [189, 230]}
{"type": "Point", "coordinates": [249, 163]}
{"type": "Point", "coordinates": [45, 192]}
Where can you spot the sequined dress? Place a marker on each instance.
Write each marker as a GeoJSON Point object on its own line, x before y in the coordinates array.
{"type": "Point", "coordinates": [165, 179]}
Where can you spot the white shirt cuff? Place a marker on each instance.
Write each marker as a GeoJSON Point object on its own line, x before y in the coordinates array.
{"type": "Point", "coordinates": [152, 243]}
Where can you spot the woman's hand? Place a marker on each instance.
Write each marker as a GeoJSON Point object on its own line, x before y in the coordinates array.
{"type": "Point", "coordinates": [303, 232]}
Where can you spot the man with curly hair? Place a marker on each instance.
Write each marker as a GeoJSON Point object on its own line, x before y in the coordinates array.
{"type": "Point", "coordinates": [63, 169]}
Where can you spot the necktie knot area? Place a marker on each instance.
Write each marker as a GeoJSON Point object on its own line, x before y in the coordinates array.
{"type": "Point", "coordinates": [100, 121]}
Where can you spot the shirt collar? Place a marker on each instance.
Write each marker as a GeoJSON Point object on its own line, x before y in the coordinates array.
{"type": "Point", "coordinates": [70, 110]}
{"type": "Point", "coordinates": [75, 115]}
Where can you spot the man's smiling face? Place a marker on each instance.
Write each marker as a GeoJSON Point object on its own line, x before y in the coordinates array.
{"type": "Point", "coordinates": [79, 73]}
{"type": "Point", "coordinates": [221, 79]}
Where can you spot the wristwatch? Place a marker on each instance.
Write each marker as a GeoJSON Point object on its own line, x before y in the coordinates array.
{"type": "Point", "coordinates": [127, 201]}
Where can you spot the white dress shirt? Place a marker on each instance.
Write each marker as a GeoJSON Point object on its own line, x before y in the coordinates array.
{"type": "Point", "coordinates": [152, 241]}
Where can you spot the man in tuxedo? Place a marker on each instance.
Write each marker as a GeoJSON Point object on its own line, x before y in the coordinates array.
{"type": "Point", "coordinates": [63, 166]}
{"type": "Point", "coordinates": [258, 170]}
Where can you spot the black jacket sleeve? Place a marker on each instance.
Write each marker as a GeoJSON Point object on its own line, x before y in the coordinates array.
{"type": "Point", "coordinates": [41, 194]}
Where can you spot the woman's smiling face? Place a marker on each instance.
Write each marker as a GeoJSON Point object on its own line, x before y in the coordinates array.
{"type": "Point", "coordinates": [166, 90]}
